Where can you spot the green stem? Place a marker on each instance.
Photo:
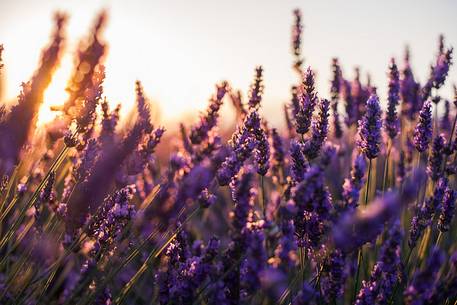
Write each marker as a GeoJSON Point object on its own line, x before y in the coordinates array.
{"type": "Point", "coordinates": [386, 167]}
{"type": "Point", "coordinates": [356, 282]}
{"type": "Point", "coordinates": [368, 182]}
{"type": "Point", "coordinates": [262, 186]}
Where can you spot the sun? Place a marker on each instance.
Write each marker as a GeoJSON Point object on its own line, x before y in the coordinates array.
{"type": "Point", "coordinates": [55, 94]}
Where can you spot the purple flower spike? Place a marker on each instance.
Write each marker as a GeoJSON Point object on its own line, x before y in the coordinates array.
{"type": "Point", "coordinates": [391, 122]}
{"type": "Point", "coordinates": [333, 281]}
{"type": "Point", "coordinates": [335, 89]}
{"type": "Point", "coordinates": [307, 102]}
{"type": "Point", "coordinates": [423, 283]}
{"type": "Point", "coordinates": [299, 165]}
{"type": "Point", "coordinates": [319, 131]}
{"type": "Point", "coordinates": [426, 211]}
{"type": "Point", "coordinates": [297, 30]}
{"type": "Point", "coordinates": [378, 289]}
{"type": "Point", "coordinates": [447, 210]}
{"type": "Point", "coordinates": [369, 135]}
{"type": "Point", "coordinates": [423, 130]}
{"type": "Point", "coordinates": [262, 152]}
{"type": "Point", "coordinates": [256, 90]}
{"type": "Point", "coordinates": [208, 120]}
{"type": "Point", "coordinates": [441, 68]}
{"type": "Point", "coordinates": [278, 152]}
{"type": "Point", "coordinates": [445, 123]}
{"type": "Point", "coordinates": [353, 185]}
{"type": "Point", "coordinates": [435, 160]}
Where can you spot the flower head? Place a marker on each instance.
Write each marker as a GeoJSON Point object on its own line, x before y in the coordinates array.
{"type": "Point", "coordinates": [391, 122]}
{"type": "Point", "coordinates": [369, 135]}
{"type": "Point", "coordinates": [423, 130]}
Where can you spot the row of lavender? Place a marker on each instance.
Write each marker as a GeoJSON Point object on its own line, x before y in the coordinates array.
{"type": "Point", "coordinates": [89, 213]}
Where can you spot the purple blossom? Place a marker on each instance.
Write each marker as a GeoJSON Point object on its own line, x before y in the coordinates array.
{"type": "Point", "coordinates": [435, 160]}
{"type": "Point", "coordinates": [297, 30]}
{"type": "Point", "coordinates": [423, 130]}
{"type": "Point", "coordinates": [335, 89]}
{"type": "Point", "coordinates": [262, 152]}
{"type": "Point", "coordinates": [423, 282]}
{"type": "Point", "coordinates": [256, 90]}
{"type": "Point", "coordinates": [15, 135]}
{"type": "Point", "coordinates": [313, 202]}
{"type": "Point", "coordinates": [256, 259]}
{"type": "Point", "coordinates": [409, 90]}
{"type": "Point", "coordinates": [447, 210]}
{"type": "Point", "coordinates": [208, 120]}
{"type": "Point", "coordinates": [299, 165]}
{"type": "Point", "coordinates": [334, 277]}
{"type": "Point", "coordinates": [425, 212]}
{"type": "Point", "coordinates": [369, 135]}
{"type": "Point", "coordinates": [350, 105]}
{"type": "Point", "coordinates": [307, 102]}
{"type": "Point", "coordinates": [391, 122]}
{"type": "Point", "coordinates": [379, 287]}
{"type": "Point", "coordinates": [353, 185]}
{"type": "Point", "coordinates": [445, 123]}
{"type": "Point", "coordinates": [319, 131]}
{"type": "Point", "coordinates": [278, 154]}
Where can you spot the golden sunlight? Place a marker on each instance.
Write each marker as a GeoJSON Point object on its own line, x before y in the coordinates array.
{"type": "Point", "coordinates": [56, 94]}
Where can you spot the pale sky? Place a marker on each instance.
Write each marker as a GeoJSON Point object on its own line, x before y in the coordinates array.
{"type": "Point", "coordinates": [180, 49]}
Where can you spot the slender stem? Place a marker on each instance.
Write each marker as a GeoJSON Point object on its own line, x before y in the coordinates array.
{"type": "Point", "coordinates": [360, 255]}
{"type": "Point", "coordinates": [386, 167]}
{"type": "Point", "coordinates": [438, 240]}
{"type": "Point", "coordinates": [368, 182]}
{"type": "Point", "coordinates": [262, 186]}
{"type": "Point", "coordinates": [356, 282]}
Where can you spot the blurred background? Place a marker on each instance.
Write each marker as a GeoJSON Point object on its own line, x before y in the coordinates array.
{"type": "Point", "coordinates": [180, 49]}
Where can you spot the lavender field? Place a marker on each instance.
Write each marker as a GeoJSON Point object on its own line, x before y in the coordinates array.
{"type": "Point", "coordinates": [350, 200]}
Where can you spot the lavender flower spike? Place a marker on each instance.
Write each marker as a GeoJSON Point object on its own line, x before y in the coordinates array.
{"type": "Point", "coordinates": [297, 30]}
{"type": "Point", "coordinates": [256, 90]}
{"type": "Point", "coordinates": [447, 210]}
{"type": "Point", "coordinates": [299, 165]}
{"type": "Point", "coordinates": [435, 160]}
{"type": "Point", "coordinates": [1, 51]}
{"type": "Point", "coordinates": [423, 130]}
{"type": "Point", "coordinates": [307, 102]}
{"type": "Point", "coordinates": [423, 282]}
{"type": "Point", "coordinates": [391, 122]}
{"type": "Point", "coordinates": [319, 131]}
{"type": "Point", "coordinates": [370, 129]}
{"type": "Point", "coordinates": [353, 185]}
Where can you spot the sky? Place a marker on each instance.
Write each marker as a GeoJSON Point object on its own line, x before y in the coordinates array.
{"type": "Point", "coordinates": [181, 49]}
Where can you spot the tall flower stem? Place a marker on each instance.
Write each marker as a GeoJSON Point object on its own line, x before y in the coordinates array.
{"type": "Point", "coordinates": [262, 202]}
{"type": "Point", "coordinates": [360, 254]}
{"type": "Point", "coordinates": [386, 166]}
{"type": "Point", "coordinates": [438, 240]}
{"type": "Point", "coordinates": [367, 191]}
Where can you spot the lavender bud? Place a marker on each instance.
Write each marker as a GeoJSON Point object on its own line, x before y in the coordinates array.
{"type": "Point", "coordinates": [319, 131]}
{"type": "Point", "coordinates": [447, 210]}
{"type": "Point", "coordinates": [423, 130]}
{"type": "Point", "coordinates": [435, 160]}
{"type": "Point", "coordinates": [353, 185]}
{"type": "Point", "coordinates": [423, 281]}
{"type": "Point", "coordinates": [369, 135]}
{"type": "Point", "coordinates": [297, 29]}
{"type": "Point", "coordinates": [391, 122]}
{"type": "Point", "coordinates": [256, 90]}
{"type": "Point", "coordinates": [307, 102]}
{"type": "Point", "coordinates": [299, 165]}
